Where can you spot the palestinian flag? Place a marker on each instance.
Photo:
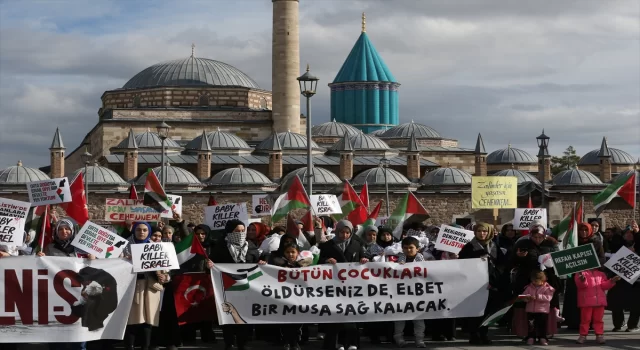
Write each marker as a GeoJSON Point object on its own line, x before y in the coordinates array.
{"type": "Point", "coordinates": [408, 210]}
{"type": "Point", "coordinates": [294, 198]}
{"type": "Point", "coordinates": [188, 248]}
{"type": "Point", "coordinates": [364, 195]}
{"type": "Point", "coordinates": [567, 230]}
{"type": "Point", "coordinates": [239, 280]}
{"type": "Point", "coordinates": [495, 317]}
{"type": "Point", "coordinates": [133, 194]}
{"type": "Point", "coordinates": [351, 205]}
{"type": "Point", "coordinates": [371, 220]}
{"type": "Point", "coordinates": [624, 187]}
{"type": "Point", "coordinates": [39, 223]}
{"type": "Point", "coordinates": [154, 195]}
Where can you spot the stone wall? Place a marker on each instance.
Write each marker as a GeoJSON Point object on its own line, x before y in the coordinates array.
{"type": "Point", "coordinates": [404, 142]}
{"type": "Point", "coordinates": [530, 168]}
{"type": "Point", "coordinates": [458, 160]}
{"type": "Point", "coordinates": [615, 168]}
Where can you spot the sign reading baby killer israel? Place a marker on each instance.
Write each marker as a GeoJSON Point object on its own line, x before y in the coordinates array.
{"type": "Point", "coordinates": [60, 299]}
{"type": "Point", "coordinates": [254, 294]}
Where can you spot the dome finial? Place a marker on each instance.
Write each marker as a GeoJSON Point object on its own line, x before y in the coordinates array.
{"type": "Point", "coordinates": [19, 163]}
{"type": "Point", "coordinates": [364, 23]}
{"type": "Point", "coordinates": [218, 128]}
{"type": "Point", "coordinates": [307, 67]}
{"type": "Point", "coordinates": [193, 49]}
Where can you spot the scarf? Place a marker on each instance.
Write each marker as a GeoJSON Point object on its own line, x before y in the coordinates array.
{"type": "Point", "coordinates": [587, 239]}
{"type": "Point", "coordinates": [238, 246]}
{"type": "Point", "coordinates": [490, 234]}
{"type": "Point", "coordinates": [403, 258]}
{"type": "Point", "coordinates": [64, 245]}
{"type": "Point", "coordinates": [133, 240]}
{"type": "Point", "coordinates": [341, 244]}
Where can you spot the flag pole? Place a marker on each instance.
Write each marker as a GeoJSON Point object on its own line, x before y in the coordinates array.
{"type": "Point", "coordinates": [582, 207]}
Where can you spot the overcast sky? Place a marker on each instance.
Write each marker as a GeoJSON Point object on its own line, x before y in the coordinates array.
{"type": "Point", "coordinates": [505, 69]}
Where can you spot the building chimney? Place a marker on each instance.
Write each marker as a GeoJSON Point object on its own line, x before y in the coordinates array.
{"type": "Point", "coordinates": [57, 155]}
{"type": "Point", "coordinates": [481, 157]}
{"type": "Point", "coordinates": [131, 157]}
{"type": "Point", "coordinates": [275, 158]}
{"type": "Point", "coordinates": [413, 159]}
{"type": "Point", "coordinates": [285, 66]}
{"type": "Point", "coordinates": [605, 161]}
{"type": "Point", "coordinates": [203, 171]}
{"type": "Point", "coordinates": [345, 149]}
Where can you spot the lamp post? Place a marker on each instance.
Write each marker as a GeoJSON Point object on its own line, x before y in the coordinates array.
{"type": "Point", "coordinates": [308, 84]}
{"type": "Point", "coordinates": [384, 163]}
{"type": "Point", "coordinates": [86, 158]}
{"type": "Point", "coordinates": [163, 133]}
{"type": "Point", "coordinates": [543, 154]}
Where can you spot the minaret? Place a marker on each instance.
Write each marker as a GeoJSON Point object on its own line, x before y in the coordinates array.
{"type": "Point", "coordinates": [203, 171]}
{"type": "Point", "coordinates": [345, 149]}
{"type": "Point", "coordinates": [413, 159]}
{"type": "Point", "coordinates": [275, 158]}
{"type": "Point", "coordinates": [481, 158]}
{"type": "Point", "coordinates": [131, 157]}
{"type": "Point", "coordinates": [285, 66]}
{"type": "Point", "coordinates": [605, 161]}
{"type": "Point", "coordinates": [57, 156]}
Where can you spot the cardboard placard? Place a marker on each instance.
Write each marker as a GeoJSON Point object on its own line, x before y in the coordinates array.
{"type": "Point", "coordinates": [494, 192]}
{"type": "Point", "coordinates": [625, 264]}
{"type": "Point", "coordinates": [54, 191]}
{"type": "Point", "coordinates": [120, 210]}
{"type": "Point", "coordinates": [570, 261]}
{"type": "Point", "coordinates": [154, 257]}
{"type": "Point", "coordinates": [98, 241]}
{"type": "Point", "coordinates": [13, 208]}
{"type": "Point", "coordinates": [11, 231]}
{"type": "Point", "coordinates": [260, 205]}
{"type": "Point", "coordinates": [325, 204]}
{"type": "Point", "coordinates": [452, 239]}
{"type": "Point", "coordinates": [176, 204]}
{"type": "Point", "coordinates": [216, 216]}
{"type": "Point", "coordinates": [524, 217]}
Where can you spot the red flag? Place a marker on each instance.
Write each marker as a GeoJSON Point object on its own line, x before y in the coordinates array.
{"type": "Point", "coordinates": [376, 211]}
{"type": "Point", "coordinates": [530, 204]}
{"type": "Point", "coordinates": [364, 195]}
{"type": "Point", "coordinates": [292, 227]}
{"type": "Point", "coordinates": [307, 223]}
{"type": "Point", "coordinates": [133, 194]}
{"type": "Point", "coordinates": [77, 208]}
{"type": "Point", "coordinates": [212, 201]}
{"type": "Point", "coordinates": [193, 295]}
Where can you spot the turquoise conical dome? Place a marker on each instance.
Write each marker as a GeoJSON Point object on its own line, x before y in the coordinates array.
{"type": "Point", "coordinates": [364, 64]}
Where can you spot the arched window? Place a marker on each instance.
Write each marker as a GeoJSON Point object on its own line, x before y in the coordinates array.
{"type": "Point", "coordinates": [204, 100]}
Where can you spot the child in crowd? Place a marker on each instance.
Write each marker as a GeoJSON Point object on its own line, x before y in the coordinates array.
{"type": "Point", "coordinates": [591, 285]}
{"type": "Point", "coordinates": [538, 294]}
{"type": "Point", "coordinates": [410, 247]}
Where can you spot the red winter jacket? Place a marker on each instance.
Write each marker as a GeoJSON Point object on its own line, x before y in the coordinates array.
{"type": "Point", "coordinates": [591, 289]}
{"type": "Point", "coordinates": [543, 295]}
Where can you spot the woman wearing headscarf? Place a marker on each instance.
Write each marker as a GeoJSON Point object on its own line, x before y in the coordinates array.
{"type": "Point", "coordinates": [145, 309]}
{"type": "Point", "coordinates": [625, 296]}
{"type": "Point", "coordinates": [482, 246]}
{"type": "Point", "coordinates": [257, 232]}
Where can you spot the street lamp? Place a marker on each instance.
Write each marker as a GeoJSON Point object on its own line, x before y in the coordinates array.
{"type": "Point", "coordinates": [308, 84]}
{"type": "Point", "coordinates": [543, 154]}
{"type": "Point", "coordinates": [86, 158]}
{"type": "Point", "coordinates": [163, 133]}
{"type": "Point", "coordinates": [384, 163]}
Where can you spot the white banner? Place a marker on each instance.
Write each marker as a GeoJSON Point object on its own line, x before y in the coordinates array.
{"type": "Point", "coordinates": [13, 208]}
{"type": "Point", "coordinates": [451, 239]}
{"type": "Point", "coordinates": [60, 299]}
{"type": "Point", "coordinates": [371, 292]}
{"type": "Point", "coordinates": [325, 204]}
{"type": "Point", "coordinates": [216, 216]}
{"type": "Point", "coordinates": [260, 205]}
{"type": "Point", "coordinates": [154, 257]}
{"type": "Point", "coordinates": [54, 191]}
{"type": "Point", "coordinates": [523, 217]}
{"type": "Point", "coordinates": [176, 204]}
{"type": "Point", "coordinates": [97, 240]}
{"type": "Point", "coordinates": [11, 231]}
{"type": "Point", "coordinates": [625, 264]}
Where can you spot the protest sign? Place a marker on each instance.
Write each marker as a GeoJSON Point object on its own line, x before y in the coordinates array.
{"type": "Point", "coordinates": [325, 204]}
{"type": "Point", "coordinates": [216, 216]}
{"type": "Point", "coordinates": [260, 205]}
{"type": "Point", "coordinates": [154, 257]}
{"type": "Point", "coordinates": [11, 231]}
{"type": "Point", "coordinates": [120, 210]}
{"type": "Point", "coordinates": [494, 192]}
{"type": "Point", "coordinates": [570, 261]}
{"type": "Point", "coordinates": [98, 241]}
{"type": "Point", "coordinates": [381, 221]}
{"type": "Point", "coordinates": [625, 264]}
{"type": "Point", "coordinates": [524, 217]}
{"type": "Point", "coordinates": [176, 205]}
{"type": "Point", "coordinates": [451, 239]}
{"type": "Point", "coordinates": [41, 299]}
{"type": "Point", "coordinates": [254, 294]}
{"type": "Point", "coordinates": [54, 191]}
{"type": "Point", "coordinates": [13, 208]}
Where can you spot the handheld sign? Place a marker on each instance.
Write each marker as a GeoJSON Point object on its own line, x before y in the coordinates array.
{"type": "Point", "coordinates": [494, 192]}
{"type": "Point", "coordinates": [154, 257]}
{"type": "Point", "coordinates": [524, 217]}
{"type": "Point", "coordinates": [120, 210]}
{"type": "Point", "coordinates": [325, 204]}
{"type": "Point", "coordinates": [97, 240]}
{"type": "Point", "coordinates": [216, 216]}
{"type": "Point", "coordinates": [13, 208]}
{"type": "Point", "coordinates": [260, 205]}
{"type": "Point", "coordinates": [176, 204]}
{"type": "Point", "coordinates": [382, 221]}
{"type": "Point", "coordinates": [11, 231]}
{"type": "Point", "coordinates": [625, 264]}
{"type": "Point", "coordinates": [54, 191]}
{"type": "Point", "coordinates": [570, 261]}
{"type": "Point", "coordinates": [452, 239]}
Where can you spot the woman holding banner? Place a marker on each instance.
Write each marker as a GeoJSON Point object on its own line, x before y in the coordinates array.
{"type": "Point", "coordinates": [624, 296]}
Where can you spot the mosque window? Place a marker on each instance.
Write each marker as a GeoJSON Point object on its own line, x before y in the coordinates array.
{"type": "Point", "coordinates": [136, 101]}
{"type": "Point", "coordinates": [204, 100]}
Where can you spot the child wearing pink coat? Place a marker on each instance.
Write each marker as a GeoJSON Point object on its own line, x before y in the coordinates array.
{"type": "Point", "coordinates": [538, 295]}
{"type": "Point", "coordinates": [592, 300]}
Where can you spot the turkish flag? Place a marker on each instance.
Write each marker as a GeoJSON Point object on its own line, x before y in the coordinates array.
{"type": "Point", "coordinates": [193, 294]}
{"type": "Point", "coordinates": [77, 208]}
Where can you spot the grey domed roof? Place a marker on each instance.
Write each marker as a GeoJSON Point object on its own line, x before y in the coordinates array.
{"type": "Point", "coordinates": [333, 129]}
{"type": "Point", "coordinates": [149, 139]}
{"type": "Point", "coordinates": [19, 174]}
{"type": "Point", "coordinates": [218, 140]}
{"type": "Point", "coordinates": [98, 175]}
{"type": "Point", "coordinates": [375, 176]}
{"type": "Point", "coordinates": [405, 130]}
{"type": "Point", "coordinates": [240, 176]}
{"type": "Point", "coordinates": [321, 176]}
{"type": "Point", "coordinates": [288, 141]}
{"type": "Point", "coordinates": [617, 157]}
{"type": "Point", "coordinates": [378, 133]}
{"type": "Point", "coordinates": [175, 176]}
{"type": "Point", "coordinates": [627, 173]}
{"type": "Point", "coordinates": [190, 71]}
{"type": "Point", "coordinates": [363, 142]}
{"type": "Point", "coordinates": [446, 177]}
{"type": "Point", "coordinates": [522, 176]}
{"type": "Point", "coordinates": [575, 177]}
{"type": "Point", "coordinates": [510, 155]}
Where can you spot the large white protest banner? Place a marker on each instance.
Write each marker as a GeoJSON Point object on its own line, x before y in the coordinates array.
{"type": "Point", "coordinates": [11, 231]}
{"type": "Point", "coordinates": [13, 208]}
{"type": "Point", "coordinates": [248, 293]}
{"type": "Point", "coordinates": [325, 204]}
{"type": "Point", "coordinates": [523, 217]}
{"type": "Point", "coordinates": [625, 264]}
{"type": "Point", "coordinates": [54, 191]}
{"type": "Point", "coordinates": [260, 205]}
{"type": "Point", "coordinates": [60, 299]}
{"type": "Point", "coordinates": [176, 205]}
{"type": "Point", "coordinates": [154, 257]}
{"type": "Point", "coordinates": [97, 240]}
{"type": "Point", "coordinates": [452, 239]}
{"type": "Point", "coordinates": [216, 216]}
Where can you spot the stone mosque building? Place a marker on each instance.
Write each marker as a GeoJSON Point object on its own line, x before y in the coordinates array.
{"type": "Point", "coordinates": [231, 138]}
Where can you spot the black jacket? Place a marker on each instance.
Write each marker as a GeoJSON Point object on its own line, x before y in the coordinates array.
{"type": "Point", "coordinates": [220, 254]}
{"type": "Point", "coordinates": [352, 253]}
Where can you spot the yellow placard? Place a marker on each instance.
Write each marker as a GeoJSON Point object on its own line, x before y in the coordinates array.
{"type": "Point", "coordinates": [494, 192]}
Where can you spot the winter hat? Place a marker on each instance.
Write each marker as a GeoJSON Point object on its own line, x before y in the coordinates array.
{"type": "Point", "coordinates": [538, 223]}
{"type": "Point", "coordinates": [370, 228]}
{"type": "Point", "coordinates": [231, 225]}
{"type": "Point", "coordinates": [342, 224]}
